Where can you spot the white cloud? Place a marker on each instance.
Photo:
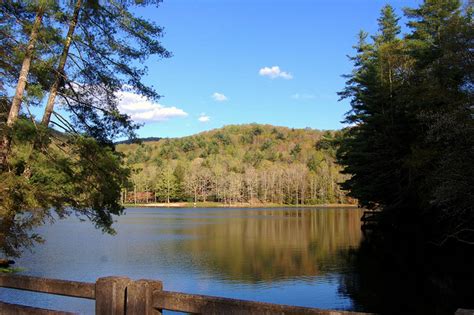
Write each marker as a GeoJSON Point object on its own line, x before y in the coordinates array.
{"type": "Point", "coordinates": [204, 118]}
{"type": "Point", "coordinates": [140, 108]}
{"type": "Point", "coordinates": [302, 96]}
{"type": "Point", "coordinates": [274, 72]}
{"type": "Point", "coordinates": [219, 97]}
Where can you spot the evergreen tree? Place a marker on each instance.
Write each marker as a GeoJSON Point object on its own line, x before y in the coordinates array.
{"type": "Point", "coordinates": [388, 25]}
{"type": "Point", "coordinates": [408, 95]}
{"type": "Point", "coordinates": [26, 37]}
{"type": "Point", "coordinates": [108, 40]}
{"type": "Point", "coordinates": [78, 171]}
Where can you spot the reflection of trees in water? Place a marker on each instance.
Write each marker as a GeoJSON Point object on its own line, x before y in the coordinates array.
{"type": "Point", "coordinates": [267, 245]}
{"type": "Point", "coordinates": [402, 279]}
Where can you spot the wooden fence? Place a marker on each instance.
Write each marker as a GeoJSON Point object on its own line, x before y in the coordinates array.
{"type": "Point", "coordinates": [121, 295]}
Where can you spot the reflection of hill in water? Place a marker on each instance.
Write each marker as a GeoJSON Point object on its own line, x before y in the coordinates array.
{"type": "Point", "coordinates": [269, 245]}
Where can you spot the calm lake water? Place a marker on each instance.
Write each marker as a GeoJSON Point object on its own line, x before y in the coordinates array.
{"type": "Point", "coordinates": [291, 256]}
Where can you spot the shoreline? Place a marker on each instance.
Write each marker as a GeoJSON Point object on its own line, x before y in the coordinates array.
{"type": "Point", "coordinates": [178, 205]}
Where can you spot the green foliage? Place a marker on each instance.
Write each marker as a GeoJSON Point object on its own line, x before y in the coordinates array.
{"type": "Point", "coordinates": [412, 122]}
{"type": "Point", "coordinates": [105, 58]}
{"type": "Point", "coordinates": [295, 151]}
{"type": "Point", "coordinates": [166, 188]}
{"type": "Point", "coordinates": [266, 145]}
{"type": "Point", "coordinates": [223, 138]}
{"type": "Point", "coordinates": [257, 130]}
{"type": "Point", "coordinates": [245, 163]}
{"type": "Point", "coordinates": [314, 161]}
{"type": "Point", "coordinates": [388, 26]}
{"type": "Point", "coordinates": [11, 270]}
{"type": "Point", "coordinates": [46, 174]}
{"type": "Point", "coordinates": [188, 146]}
{"type": "Point", "coordinates": [16, 21]}
{"type": "Point", "coordinates": [73, 174]}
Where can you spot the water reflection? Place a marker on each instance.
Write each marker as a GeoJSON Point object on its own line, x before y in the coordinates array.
{"type": "Point", "coordinates": [291, 256]}
{"type": "Point", "coordinates": [271, 245]}
{"type": "Point", "coordinates": [405, 279]}
{"type": "Point", "coordinates": [307, 257]}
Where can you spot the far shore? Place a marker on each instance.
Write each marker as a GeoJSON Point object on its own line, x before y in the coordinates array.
{"type": "Point", "coordinates": [233, 205]}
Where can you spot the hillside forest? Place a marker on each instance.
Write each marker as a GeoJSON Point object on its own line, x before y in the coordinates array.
{"type": "Point", "coordinates": [236, 164]}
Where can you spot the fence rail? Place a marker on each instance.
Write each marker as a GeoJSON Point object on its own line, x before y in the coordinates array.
{"type": "Point", "coordinates": [121, 295]}
{"type": "Point", "coordinates": [77, 289]}
{"type": "Point", "coordinates": [202, 304]}
{"type": "Point", "coordinates": [14, 309]}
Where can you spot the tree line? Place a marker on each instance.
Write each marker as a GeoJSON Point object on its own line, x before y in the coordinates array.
{"type": "Point", "coordinates": [256, 164]}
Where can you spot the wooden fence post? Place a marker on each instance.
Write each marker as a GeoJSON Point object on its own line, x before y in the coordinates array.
{"type": "Point", "coordinates": [110, 295]}
{"type": "Point", "coordinates": [140, 297]}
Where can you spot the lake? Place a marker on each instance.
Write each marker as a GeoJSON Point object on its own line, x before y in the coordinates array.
{"type": "Point", "coordinates": [315, 257]}
{"type": "Point", "coordinates": [291, 256]}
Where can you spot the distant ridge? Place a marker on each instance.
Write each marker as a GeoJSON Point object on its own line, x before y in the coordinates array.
{"type": "Point", "coordinates": [226, 127]}
{"type": "Point", "coordinates": [139, 140]}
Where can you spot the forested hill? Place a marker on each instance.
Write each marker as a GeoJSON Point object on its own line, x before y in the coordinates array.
{"type": "Point", "coordinates": [237, 163]}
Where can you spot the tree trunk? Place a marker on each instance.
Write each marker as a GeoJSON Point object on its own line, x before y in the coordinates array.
{"type": "Point", "coordinates": [62, 62]}
{"type": "Point", "coordinates": [20, 88]}
{"type": "Point", "coordinates": [296, 194]}
{"type": "Point", "coordinates": [135, 193]}
{"type": "Point", "coordinates": [168, 189]}
{"type": "Point", "coordinates": [25, 69]}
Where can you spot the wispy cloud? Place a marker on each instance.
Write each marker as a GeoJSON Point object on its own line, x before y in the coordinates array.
{"type": "Point", "coordinates": [274, 73]}
{"type": "Point", "coordinates": [204, 118]}
{"type": "Point", "coordinates": [219, 97]}
{"type": "Point", "coordinates": [303, 96]}
{"type": "Point", "coordinates": [141, 109]}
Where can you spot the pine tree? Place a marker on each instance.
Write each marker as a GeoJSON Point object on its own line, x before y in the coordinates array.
{"type": "Point", "coordinates": [77, 171]}
{"type": "Point", "coordinates": [441, 41]}
{"type": "Point", "coordinates": [60, 76]}
{"type": "Point", "coordinates": [107, 40]}
{"type": "Point", "coordinates": [11, 13]}
{"type": "Point", "coordinates": [408, 97]}
{"type": "Point", "coordinates": [388, 25]}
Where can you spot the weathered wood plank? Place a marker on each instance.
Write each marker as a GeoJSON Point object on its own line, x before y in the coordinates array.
{"type": "Point", "coordinates": [201, 304]}
{"type": "Point", "coordinates": [15, 309]}
{"type": "Point", "coordinates": [111, 295]}
{"type": "Point", "coordinates": [140, 297]}
{"type": "Point", "coordinates": [117, 295]}
{"type": "Point", "coordinates": [53, 286]}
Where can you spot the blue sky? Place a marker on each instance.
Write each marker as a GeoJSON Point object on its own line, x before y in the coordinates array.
{"type": "Point", "coordinates": [269, 61]}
